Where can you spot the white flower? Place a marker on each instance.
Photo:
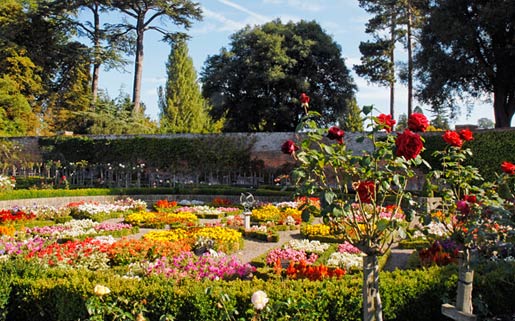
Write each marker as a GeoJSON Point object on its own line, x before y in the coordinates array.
{"type": "Point", "coordinates": [101, 290]}
{"type": "Point", "coordinates": [259, 300]}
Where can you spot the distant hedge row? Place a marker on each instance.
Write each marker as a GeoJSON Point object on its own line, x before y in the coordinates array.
{"type": "Point", "coordinates": [204, 153]}
{"type": "Point", "coordinates": [219, 152]}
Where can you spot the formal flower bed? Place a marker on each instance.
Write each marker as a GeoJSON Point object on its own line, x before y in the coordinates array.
{"type": "Point", "coordinates": [161, 219]}
{"type": "Point", "coordinates": [225, 239]}
{"type": "Point", "coordinates": [103, 211]}
{"type": "Point", "coordinates": [212, 266]}
{"type": "Point", "coordinates": [204, 211]}
{"type": "Point", "coordinates": [81, 229]}
{"type": "Point", "coordinates": [284, 213]}
{"type": "Point", "coordinates": [14, 215]}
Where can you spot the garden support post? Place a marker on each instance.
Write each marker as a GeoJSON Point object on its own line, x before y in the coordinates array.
{"type": "Point", "coordinates": [372, 308]}
{"type": "Point", "coordinates": [463, 309]}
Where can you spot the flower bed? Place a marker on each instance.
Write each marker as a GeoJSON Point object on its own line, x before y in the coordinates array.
{"type": "Point", "coordinates": [209, 212]}
{"type": "Point", "coordinates": [161, 219]}
{"type": "Point", "coordinates": [225, 239]}
{"type": "Point", "coordinates": [103, 211]}
{"type": "Point", "coordinates": [82, 229]}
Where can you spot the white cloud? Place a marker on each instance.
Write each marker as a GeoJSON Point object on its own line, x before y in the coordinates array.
{"type": "Point", "coordinates": [260, 18]}
{"type": "Point", "coordinates": [305, 5]}
{"type": "Point", "coordinates": [226, 23]}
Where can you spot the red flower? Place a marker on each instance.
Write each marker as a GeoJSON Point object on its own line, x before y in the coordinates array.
{"type": "Point", "coordinates": [418, 122]}
{"type": "Point", "coordinates": [336, 133]}
{"type": "Point", "coordinates": [289, 147]}
{"type": "Point", "coordinates": [466, 135]}
{"type": "Point", "coordinates": [508, 168]}
{"type": "Point", "coordinates": [304, 99]}
{"type": "Point", "coordinates": [452, 138]}
{"type": "Point", "coordinates": [463, 207]}
{"type": "Point", "coordinates": [408, 144]}
{"type": "Point", "coordinates": [365, 190]}
{"type": "Point", "coordinates": [386, 122]}
{"type": "Point", "coordinates": [470, 198]}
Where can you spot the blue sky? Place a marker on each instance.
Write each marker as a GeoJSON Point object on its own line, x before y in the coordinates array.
{"type": "Point", "coordinates": [344, 20]}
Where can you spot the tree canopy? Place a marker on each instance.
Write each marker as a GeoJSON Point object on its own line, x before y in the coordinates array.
{"type": "Point", "coordinates": [468, 50]}
{"type": "Point", "coordinates": [256, 84]}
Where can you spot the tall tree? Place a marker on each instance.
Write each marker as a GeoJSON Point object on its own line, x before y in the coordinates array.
{"type": "Point", "coordinates": [146, 12]}
{"type": "Point", "coordinates": [467, 50]}
{"type": "Point", "coordinates": [108, 41]}
{"type": "Point", "coordinates": [183, 109]}
{"type": "Point", "coordinates": [398, 19]}
{"type": "Point", "coordinates": [256, 84]}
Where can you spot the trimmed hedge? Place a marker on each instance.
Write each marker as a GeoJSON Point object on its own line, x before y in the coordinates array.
{"type": "Point", "coordinates": [31, 293]}
{"type": "Point", "coordinates": [179, 190]}
{"type": "Point", "coordinates": [206, 152]}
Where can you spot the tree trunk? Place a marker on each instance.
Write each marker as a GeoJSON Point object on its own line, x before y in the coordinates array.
{"type": "Point", "coordinates": [410, 62]}
{"type": "Point", "coordinates": [504, 106]}
{"type": "Point", "coordinates": [392, 61]}
{"type": "Point", "coordinates": [96, 58]}
{"type": "Point", "coordinates": [138, 66]}
{"type": "Point", "coordinates": [372, 308]}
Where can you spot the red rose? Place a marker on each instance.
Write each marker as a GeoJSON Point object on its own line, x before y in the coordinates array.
{"type": "Point", "coordinates": [508, 168]}
{"type": "Point", "coordinates": [336, 133]}
{"type": "Point", "coordinates": [304, 99]}
{"type": "Point", "coordinates": [418, 122]}
{"type": "Point", "coordinates": [289, 147]}
{"type": "Point", "coordinates": [365, 190]}
{"type": "Point", "coordinates": [452, 138]}
{"type": "Point", "coordinates": [470, 198]}
{"type": "Point", "coordinates": [386, 122]}
{"type": "Point", "coordinates": [466, 135]}
{"type": "Point", "coordinates": [408, 144]}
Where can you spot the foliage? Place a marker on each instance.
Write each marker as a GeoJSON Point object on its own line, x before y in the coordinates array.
{"type": "Point", "coordinates": [353, 122]}
{"type": "Point", "coordinates": [183, 109]}
{"type": "Point", "coordinates": [44, 294]}
{"type": "Point", "coordinates": [256, 84]}
{"type": "Point", "coordinates": [180, 13]}
{"type": "Point", "coordinates": [450, 66]}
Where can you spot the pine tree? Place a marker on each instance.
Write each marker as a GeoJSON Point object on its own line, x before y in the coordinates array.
{"type": "Point", "coordinates": [353, 121]}
{"type": "Point", "coordinates": [183, 109]}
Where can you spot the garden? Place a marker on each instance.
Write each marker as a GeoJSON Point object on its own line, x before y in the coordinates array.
{"type": "Point", "coordinates": [319, 255]}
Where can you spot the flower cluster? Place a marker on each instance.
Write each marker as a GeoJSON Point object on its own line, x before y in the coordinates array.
{"type": "Point", "coordinates": [456, 139]}
{"type": "Point", "coordinates": [226, 239]}
{"type": "Point", "coordinates": [277, 213]}
{"type": "Point", "coordinates": [77, 228]}
{"type": "Point", "coordinates": [14, 215]}
{"type": "Point", "coordinates": [307, 246]}
{"type": "Point", "coordinates": [207, 266]}
{"type": "Point", "coordinates": [6, 183]}
{"type": "Point", "coordinates": [440, 253]}
{"type": "Point", "coordinates": [288, 254]}
{"type": "Point", "coordinates": [304, 270]}
{"type": "Point", "coordinates": [315, 230]}
{"type": "Point", "coordinates": [164, 204]}
{"type": "Point", "coordinates": [160, 219]}
{"type": "Point", "coordinates": [127, 251]}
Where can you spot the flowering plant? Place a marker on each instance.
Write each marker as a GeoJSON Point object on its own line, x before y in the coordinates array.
{"type": "Point", "coordinates": [6, 183]}
{"type": "Point", "coordinates": [379, 177]}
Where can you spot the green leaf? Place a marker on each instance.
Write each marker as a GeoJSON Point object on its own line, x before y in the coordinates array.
{"type": "Point", "coordinates": [367, 109]}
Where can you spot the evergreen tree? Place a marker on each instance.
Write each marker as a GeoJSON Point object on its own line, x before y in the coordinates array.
{"type": "Point", "coordinates": [147, 13]}
{"type": "Point", "coordinates": [183, 109]}
{"type": "Point", "coordinates": [353, 122]}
